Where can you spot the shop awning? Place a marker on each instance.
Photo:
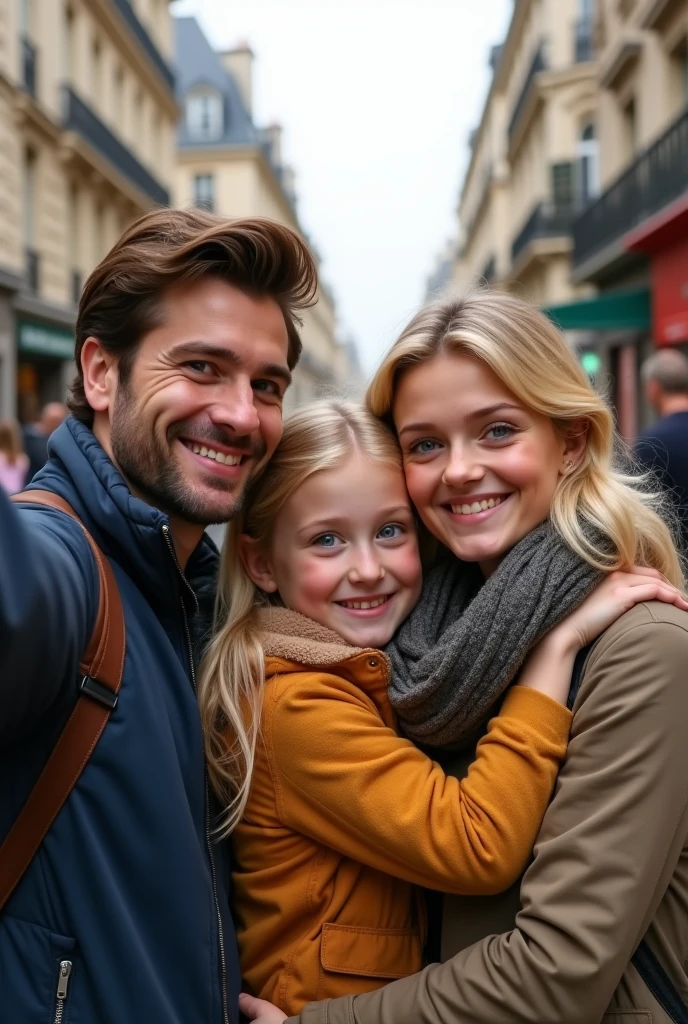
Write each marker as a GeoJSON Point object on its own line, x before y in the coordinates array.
{"type": "Point", "coordinates": [611, 311]}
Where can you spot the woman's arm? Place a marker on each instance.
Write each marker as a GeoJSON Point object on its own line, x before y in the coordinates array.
{"type": "Point", "coordinates": [612, 834]}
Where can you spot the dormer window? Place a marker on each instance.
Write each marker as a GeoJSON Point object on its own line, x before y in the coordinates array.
{"type": "Point", "coordinates": [204, 115]}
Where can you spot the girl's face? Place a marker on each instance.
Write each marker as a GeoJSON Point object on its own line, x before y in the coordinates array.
{"type": "Point", "coordinates": [344, 552]}
{"type": "Point", "coordinates": [481, 468]}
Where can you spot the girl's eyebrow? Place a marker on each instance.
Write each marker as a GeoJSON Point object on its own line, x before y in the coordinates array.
{"type": "Point", "coordinates": [332, 522]}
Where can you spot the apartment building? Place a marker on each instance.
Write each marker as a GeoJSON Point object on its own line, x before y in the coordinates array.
{"type": "Point", "coordinates": [227, 164]}
{"type": "Point", "coordinates": [632, 242]}
{"type": "Point", "coordinates": [87, 120]}
{"type": "Point", "coordinates": [534, 155]}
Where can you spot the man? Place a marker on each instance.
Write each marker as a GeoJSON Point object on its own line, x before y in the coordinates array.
{"type": "Point", "coordinates": [185, 342]}
{"type": "Point", "coordinates": [663, 447]}
{"type": "Point", "coordinates": [36, 435]}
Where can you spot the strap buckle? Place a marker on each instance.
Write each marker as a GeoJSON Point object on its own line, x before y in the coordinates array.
{"type": "Point", "coordinates": [96, 691]}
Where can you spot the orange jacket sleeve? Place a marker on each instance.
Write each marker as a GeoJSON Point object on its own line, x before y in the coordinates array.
{"type": "Point", "coordinates": [348, 781]}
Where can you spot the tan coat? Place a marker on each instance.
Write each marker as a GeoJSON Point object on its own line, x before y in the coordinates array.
{"type": "Point", "coordinates": [610, 865]}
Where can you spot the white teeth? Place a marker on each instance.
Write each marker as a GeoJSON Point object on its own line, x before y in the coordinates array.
{"type": "Point", "coordinates": [364, 605]}
{"type": "Point", "coordinates": [476, 506]}
{"type": "Point", "coordinates": [210, 453]}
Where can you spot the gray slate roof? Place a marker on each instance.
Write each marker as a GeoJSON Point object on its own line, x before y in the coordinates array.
{"type": "Point", "coordinates": [197, 64]}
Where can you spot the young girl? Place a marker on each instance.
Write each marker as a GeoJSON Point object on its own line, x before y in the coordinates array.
{"type": "Point", "coordinates": [345, 818]}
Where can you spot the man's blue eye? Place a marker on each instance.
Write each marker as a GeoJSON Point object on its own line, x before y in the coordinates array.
{"type": "Point", "coordinates": [423, 447]}
{"type": "Point", "coordinates": [500, 431]}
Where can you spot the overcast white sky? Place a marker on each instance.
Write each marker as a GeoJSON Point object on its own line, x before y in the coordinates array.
{"type": "Point", "coordinates": [377, 98]}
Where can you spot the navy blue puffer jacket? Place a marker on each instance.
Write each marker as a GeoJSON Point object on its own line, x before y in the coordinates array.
{"type": "Point", "coordinates": [127, 887]}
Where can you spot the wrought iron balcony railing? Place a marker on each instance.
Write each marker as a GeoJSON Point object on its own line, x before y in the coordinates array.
{"type": "Point", "coordinates": [79, 117]}
{"type": "Point", "coordinates": [656, 178]}
{"type": "Point", "coordinates": [129, 15]}
{"type": "Point", "coordinates": [538, 64]}
{"type": "Point", "coordinates": [544, 222]}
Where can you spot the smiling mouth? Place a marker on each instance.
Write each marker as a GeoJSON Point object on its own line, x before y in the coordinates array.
{"type": "Point", "coordinates": [474, 507]}
{"type": "Point", "coordinates": [363, 606]}
{"type": "Point", "coordinates": [223, 458]}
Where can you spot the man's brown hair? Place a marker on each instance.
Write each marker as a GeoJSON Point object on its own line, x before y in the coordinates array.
{"type": "Point", "coordinates": [121, 301]}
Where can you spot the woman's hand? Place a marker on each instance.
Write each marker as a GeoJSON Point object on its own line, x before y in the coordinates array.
{"type": "Point", "coordinates": [616, 594]}
{"type": "Point", "coordinates": [259, 1010]}
{"type": "Point", "coordinates": [549, 665]}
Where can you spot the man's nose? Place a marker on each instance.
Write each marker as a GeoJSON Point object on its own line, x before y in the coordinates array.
{"type": "Point", "coordinates": [237, 409]}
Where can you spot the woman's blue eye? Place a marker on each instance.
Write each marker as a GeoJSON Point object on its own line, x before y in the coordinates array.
{"type": "Point", "coordinates": [390, 531]}
{"type": "Point", "coordinates": [423, 447]}
{"type": "Point", "coordinates": [326, 540]}
{"type": "Point", "coordinates": [500, 431]}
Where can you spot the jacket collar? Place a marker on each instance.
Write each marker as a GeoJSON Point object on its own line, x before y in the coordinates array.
{"type": "Point", "coordinates": [125, 528]}
{"type": "Point", "coordinates": [294, 637]}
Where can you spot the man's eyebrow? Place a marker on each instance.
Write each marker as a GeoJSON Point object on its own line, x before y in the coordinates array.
{"type": "Point", "coordinates": [210, 350]}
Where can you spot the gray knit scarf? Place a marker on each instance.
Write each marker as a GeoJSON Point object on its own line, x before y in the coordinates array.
{"type": "Point", "coordinates": [466, 639]}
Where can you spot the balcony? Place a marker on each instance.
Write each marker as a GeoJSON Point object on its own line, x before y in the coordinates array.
{"type": "Point", "coordinates": [129, 15]}
{"type": "Point", "coordinates": [655, 179]}
{"type": "Point", "coordinates": [539, 64]}
{"type": "Point", "coordinates": [29, 66]}
{"type": "Point", "coordinates": [544, 222]}
{"type": "Point", "coordinates": [33, 264]}
{"type": "Point", "coordinates": [79, 118]}
{"type": "Point", "coordinates": [583, 42]}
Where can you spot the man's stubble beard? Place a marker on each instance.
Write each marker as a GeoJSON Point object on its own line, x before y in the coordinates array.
{"type": "Point", "coordinates": [154, 475]}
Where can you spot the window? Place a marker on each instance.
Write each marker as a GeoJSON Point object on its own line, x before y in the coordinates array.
{"type": "Point", "coordinates": [29, 196]}
{"type": "Point", "coordinates": [68, 44]}
{"type": "Point", "coordinates": [588, 164]}
{"type": "Point", "coordinates": [562, 186]}
{"type": "Point", "coordinates": [118, 95]}
{"type": "Point", "coordinates": [630, 127]}
{"type": "Point", "coordinates": [96, 73]}
{"type": "Point", "coordinates": [204, 191]}
{"type": "Point", "coordinates": [204, 115]}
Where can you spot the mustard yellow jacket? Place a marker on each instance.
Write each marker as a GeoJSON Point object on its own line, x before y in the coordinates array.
{"type": "Point", "coordinates": [346, 818]}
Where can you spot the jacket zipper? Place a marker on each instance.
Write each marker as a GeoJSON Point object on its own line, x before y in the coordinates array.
{"type": "Point", "coordinates": [62, 986]}
{"type": "Point", "coordinates": [208, 840]}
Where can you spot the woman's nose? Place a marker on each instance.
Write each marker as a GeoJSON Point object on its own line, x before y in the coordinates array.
{"type": "Point", "coordinates": [462, 468]}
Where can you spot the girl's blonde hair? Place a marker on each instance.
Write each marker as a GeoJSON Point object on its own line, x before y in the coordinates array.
{"type": "Point", "coordinates": [531, 358]}
{"type": "Point", "coordinates": [316, 438]}
{"type": "Point", "coordinates": [11, 441]}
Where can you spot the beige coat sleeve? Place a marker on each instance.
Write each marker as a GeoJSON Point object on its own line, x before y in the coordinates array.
{"type": "Point", "coordinates": [612, 833]}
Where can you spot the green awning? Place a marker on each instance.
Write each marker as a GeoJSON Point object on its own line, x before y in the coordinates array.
{"type": "Point", "coordinates": [611, 311]}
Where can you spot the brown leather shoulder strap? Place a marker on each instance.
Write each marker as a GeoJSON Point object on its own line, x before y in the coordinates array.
{"type": "Point", "coordinates": [102, 666]}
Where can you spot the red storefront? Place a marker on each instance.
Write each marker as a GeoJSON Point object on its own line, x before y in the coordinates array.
{"type": "Point", "coordinates": [664, 239]}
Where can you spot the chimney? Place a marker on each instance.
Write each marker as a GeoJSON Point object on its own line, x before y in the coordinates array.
{"type": "Point", "coordinates": [273, 136]}
{"type": "Point", "coordinates": [239, 63]}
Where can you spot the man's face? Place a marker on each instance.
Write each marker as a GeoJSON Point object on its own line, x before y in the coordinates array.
{"type": "Point", "coordinates": [201, 409]}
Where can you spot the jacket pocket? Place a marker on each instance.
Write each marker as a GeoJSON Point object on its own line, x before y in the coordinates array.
{"type": "Point", "coordinates": [35, 980]}
{"type": "Point", "coordinates": [370, 952]}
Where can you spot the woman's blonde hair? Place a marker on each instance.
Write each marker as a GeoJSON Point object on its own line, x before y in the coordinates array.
{"type": "Point", "coordinates": [531, 358]}
{"type": "Point", "coordinates": [11, 441]}
{"type": "Point", "coordinates": [318, 437]}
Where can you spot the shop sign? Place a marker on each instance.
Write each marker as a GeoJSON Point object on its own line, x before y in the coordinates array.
{"type": "Point", "coordinates": [670, 294]}
{"type": "Point", "coordinates": [44, 340]}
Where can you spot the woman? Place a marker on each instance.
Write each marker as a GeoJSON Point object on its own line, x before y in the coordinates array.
{"type": "Point", "coordinates": [14, 464]}
{"type": "Point", "coordinates": [508, 458]}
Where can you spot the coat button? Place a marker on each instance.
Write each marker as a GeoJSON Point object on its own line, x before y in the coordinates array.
{"type": "Point", "coordinates": [372, 662]}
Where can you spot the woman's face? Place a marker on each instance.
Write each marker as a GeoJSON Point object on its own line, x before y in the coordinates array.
{"type": "Point", "coordinates": [480, 467]}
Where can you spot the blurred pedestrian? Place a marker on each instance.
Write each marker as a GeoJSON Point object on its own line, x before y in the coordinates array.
{"type": "Point", "coordinates": [663, 447]}
{"type": "Point", "coordinates": [14, 464]}
{"type": "Point", "coordinates": [36, 435]}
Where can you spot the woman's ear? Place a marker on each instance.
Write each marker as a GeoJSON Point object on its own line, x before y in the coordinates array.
{"type": "Point", "coordinates": [257, 564]}
{"type": "Point", "coordinates": [575, 441]}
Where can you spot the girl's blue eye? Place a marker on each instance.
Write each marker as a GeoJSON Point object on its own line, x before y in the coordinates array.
{"type": "Point", "coordinates": [423, 447]}
{"type": "Point", "coordinates": [390, 531]}
{"type": "Point", "coordinates": [326, 540]}
{"type": "Point", "coordinates": [500, 431]}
